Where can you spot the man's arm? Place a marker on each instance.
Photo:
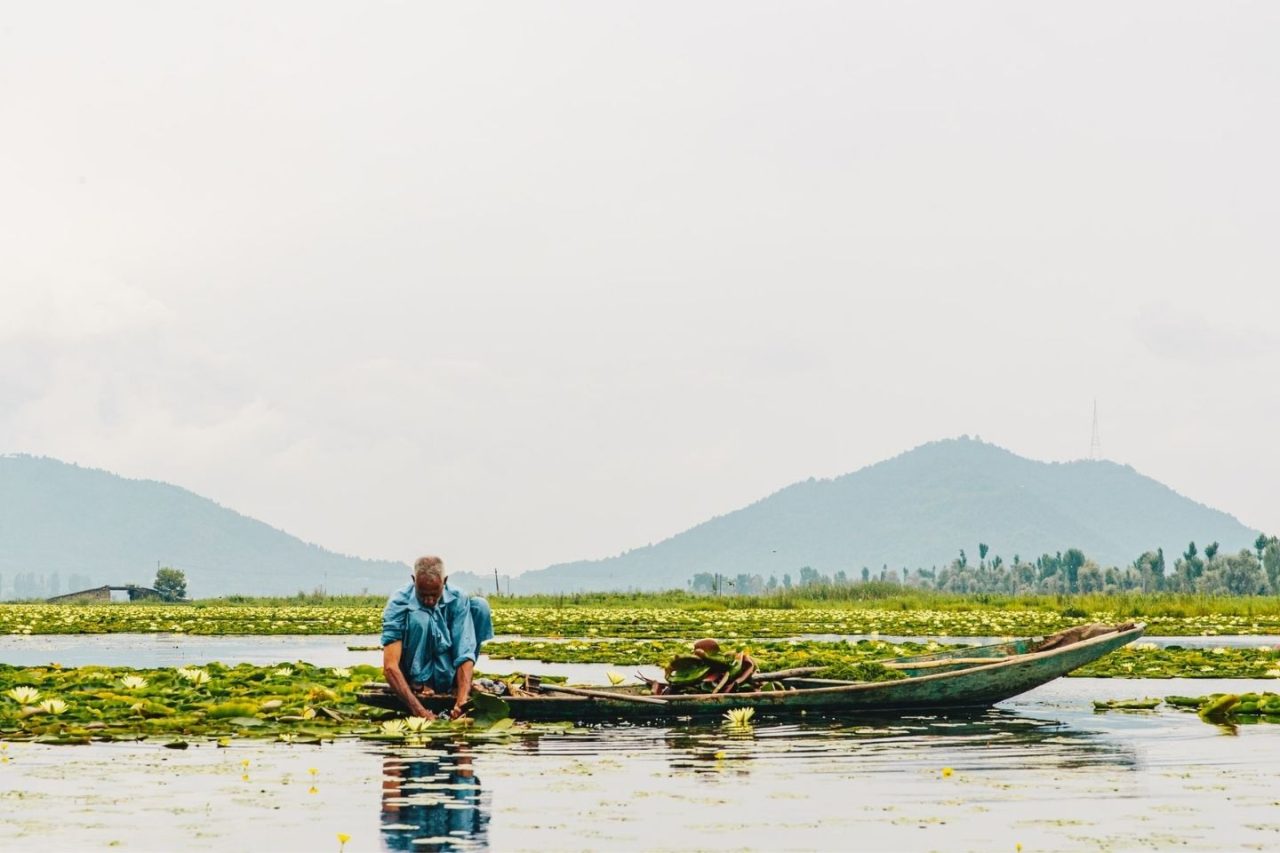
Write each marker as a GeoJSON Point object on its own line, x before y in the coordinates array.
{"type": "Point", "coordinates": [463, 689]}
{"type": "Point", "coordinates": [395, 677]}
{"type": "Point", "coordinates": [464, 654]}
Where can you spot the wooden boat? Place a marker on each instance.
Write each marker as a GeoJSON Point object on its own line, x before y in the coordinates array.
{"type": "Point", "coordinates": [973, 677]}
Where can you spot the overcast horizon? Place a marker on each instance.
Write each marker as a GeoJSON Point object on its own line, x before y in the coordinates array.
{"type": "Point", "coordinates": [521, 285]}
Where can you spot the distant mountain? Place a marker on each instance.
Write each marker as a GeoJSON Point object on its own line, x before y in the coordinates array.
{"type": "Point", "coordinates": [91, 527]}
{"type": "Point", "coordinates": [916, 510]}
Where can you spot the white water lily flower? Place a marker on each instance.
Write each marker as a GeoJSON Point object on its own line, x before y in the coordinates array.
{"type": "Point", "coordinates": [739, 718]}
{"type": "Point", "coordinates": [416, 724]}
{"type": "Point", "coordinates": [53, 706]}
{"type": "Point", "coordinates": [24, 695]}
{"type": "Point", "coordinates": [287, 737]}
{"type": "Point", "coordinates": [133, 682]}
{"type": "Point", "coordinates": [342, 672]}
{"type": "Point", "coordinates": [195, 676]}
{"type": "Point", "coordinates": [283, 671]}
{"type": "Point", "coordinates": [1145, 647]}
{"type": "Point", "coordinates": [393, 727]}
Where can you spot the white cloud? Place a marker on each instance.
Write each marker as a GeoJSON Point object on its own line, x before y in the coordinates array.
{"type": "Point", "coordinates": [69, 307]}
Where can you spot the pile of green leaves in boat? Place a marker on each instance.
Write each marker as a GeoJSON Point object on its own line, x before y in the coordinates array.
{"type": "Point", "coordinates": [708, 669]}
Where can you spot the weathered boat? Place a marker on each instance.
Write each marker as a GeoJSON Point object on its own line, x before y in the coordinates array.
{"type": "Point", "coordinates": [972, 677]}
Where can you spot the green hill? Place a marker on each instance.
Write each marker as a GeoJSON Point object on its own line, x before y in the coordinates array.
{"type": "Point", "coordinates": [916, 510]}
{"type": "Point", "coordinates": [91, 527]}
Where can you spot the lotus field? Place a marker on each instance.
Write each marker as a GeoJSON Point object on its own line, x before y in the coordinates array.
{"type": "Point", "coordinates": [608, 621]}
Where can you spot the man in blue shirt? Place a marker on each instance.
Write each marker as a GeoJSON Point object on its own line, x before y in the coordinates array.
{"type": "Point", "coordinates": [431, 636]}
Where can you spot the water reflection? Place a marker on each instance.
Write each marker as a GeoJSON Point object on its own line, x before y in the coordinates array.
{"type": "Point", "coordinates": [431, 799]}
{"type": "Point", "coordinates": [993, 738]}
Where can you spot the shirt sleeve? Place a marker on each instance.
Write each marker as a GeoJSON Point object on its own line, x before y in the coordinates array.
{"type": "Point", "coordinates": [464, 633]}
{"type": "Point", "coordinates": [394, 616]}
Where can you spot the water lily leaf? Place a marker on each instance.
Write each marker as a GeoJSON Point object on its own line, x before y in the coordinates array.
{"type": "Point", "coordinates": [1126, 705]}
{"type": "Point", "coordinates": [1218, 709]}
{"type": "Point", "coordinates": [246, 722]}
{"type": "Point", "coordinates": [687, 669]}
{"type": "Point", "coordinates": [488, 709]}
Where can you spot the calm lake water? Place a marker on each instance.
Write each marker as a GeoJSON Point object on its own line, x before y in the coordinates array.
{"type": "Point", "coordinates": [1041, 770]}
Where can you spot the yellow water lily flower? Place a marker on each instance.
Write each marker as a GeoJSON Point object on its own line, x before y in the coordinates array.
{"type": "Point", "coordinates": [313, 771]}
{"type": "Point", "coordinates": [24, 695]}
{"type": "Point", "coordinates": [343, 838]}
{"type": "Point", "coordinates": [133, 682]}
{"type": "Point", "coordinates": [614, 678]}
{"type": "Point", "coordinates": [53, 706]}
{"type": "Point", "coordinates": [392, 727]}
{"type": "Point", "coordinates": [287, 737]}
{"type": "Point", "coordinates": [946, 772]}
{"type": "Point", "coordinates": [415, 724]}
{"type": "Point", "coordinates": [308, 713]}
{"type": "Point", "coordinates": [739, 718]}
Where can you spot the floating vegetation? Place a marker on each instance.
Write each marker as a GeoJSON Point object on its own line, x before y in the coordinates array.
{"type": "Point", "coordinates": [861, 671]}
{"type": "Point", "coordinates": [1217, 708]}
{"type": "Point", "coordinates": [215, 703]}
{"type": "Point", "coordinates": [769, 655]}
{"type": "Point", "coordinates": [1126, 705]}
{"type": "Point", "coordinates": [1145, 660]}
{"type": "Point", "coordinates": [857, 661]}
{"type": "Point", "coordinates": [696, 619]}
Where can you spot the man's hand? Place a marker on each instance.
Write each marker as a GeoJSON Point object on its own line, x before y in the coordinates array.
{"type": "Point", "coordinates": [456, 712]}
{"type": "Point", "coordinates": [424, 713]}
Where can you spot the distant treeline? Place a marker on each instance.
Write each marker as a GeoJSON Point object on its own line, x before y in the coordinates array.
{"type": "Point", "coordinates": [27, 585]}
{"type": "Point", "coordinates": [1207, 571]}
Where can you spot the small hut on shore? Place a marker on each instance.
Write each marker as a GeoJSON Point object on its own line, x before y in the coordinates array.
{"type": "Point", "coordinates": [102, 595]}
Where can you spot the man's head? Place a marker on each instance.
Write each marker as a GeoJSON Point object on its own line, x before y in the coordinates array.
{"type": "Point", "coordinates": [428, 580]}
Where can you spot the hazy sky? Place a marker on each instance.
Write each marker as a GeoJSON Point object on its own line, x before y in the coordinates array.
{"type": "Point", "coordinates": [527, 283]}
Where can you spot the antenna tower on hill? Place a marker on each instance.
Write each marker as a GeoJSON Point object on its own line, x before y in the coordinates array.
{"type": "Point", "coordinates": [1095, 444]}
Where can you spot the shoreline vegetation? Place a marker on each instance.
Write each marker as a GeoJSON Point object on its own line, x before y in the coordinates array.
{"type": "Point", "coordinates": [875, 607]}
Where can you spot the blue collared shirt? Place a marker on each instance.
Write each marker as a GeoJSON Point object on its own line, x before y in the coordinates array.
{"type": "Point", "coordinates": [436, 639]}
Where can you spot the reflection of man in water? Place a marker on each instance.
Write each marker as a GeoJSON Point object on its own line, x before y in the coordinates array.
{"type": "Point", "coordinates": [423, 799]}
{"type": "Point", "coordinates": [431, 635]}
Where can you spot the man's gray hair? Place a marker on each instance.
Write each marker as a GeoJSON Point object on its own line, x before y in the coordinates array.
{"type": "Point", "coordinates": [430, 568]}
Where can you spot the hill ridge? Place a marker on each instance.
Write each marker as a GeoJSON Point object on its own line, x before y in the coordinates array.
{"type": "Point", "coordinates": [932, 500]}
{"type": "Point", "coordinates": [91, 526]}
